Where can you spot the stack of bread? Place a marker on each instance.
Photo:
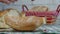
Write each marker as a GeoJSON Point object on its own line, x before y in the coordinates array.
{"type": "Point", "coordinates": [20, 22]}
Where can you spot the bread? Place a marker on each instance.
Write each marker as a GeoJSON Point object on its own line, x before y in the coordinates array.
{"type": "Point", "coordinates": [39, 8]}
{"type": "Point", "coordinates": [23, 22]}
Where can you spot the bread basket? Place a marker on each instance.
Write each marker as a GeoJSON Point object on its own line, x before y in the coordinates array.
{"type": "Point", "coordinates": [20, 22]}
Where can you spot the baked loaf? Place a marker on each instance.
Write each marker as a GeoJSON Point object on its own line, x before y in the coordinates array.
{"type": "Point", "coordinates": [22, 22]}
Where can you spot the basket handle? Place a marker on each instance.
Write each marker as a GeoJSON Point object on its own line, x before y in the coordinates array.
{"type": "Point", "coordinates": [58, 9]}
{"type": "Point", "coordinates": [25, 7]}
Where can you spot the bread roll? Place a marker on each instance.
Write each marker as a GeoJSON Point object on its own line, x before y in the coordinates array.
{"type": "Point", "coordinates": [39, 8]}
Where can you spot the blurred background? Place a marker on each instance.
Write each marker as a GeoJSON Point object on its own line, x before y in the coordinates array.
{"type": "Point", "coordinates": [52, 4]}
